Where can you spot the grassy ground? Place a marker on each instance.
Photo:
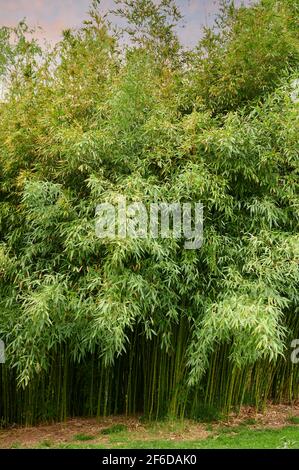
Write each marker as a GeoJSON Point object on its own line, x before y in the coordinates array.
{"type": "Point", "coordinates": [225, 438]}
{"type": "Point", "coordinates": [277, 428]}
{"type": "Point", "coordinates": [287, 438]}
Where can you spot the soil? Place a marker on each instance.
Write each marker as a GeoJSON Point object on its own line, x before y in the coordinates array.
{"type": "Point", "coordinates": [54, 435]}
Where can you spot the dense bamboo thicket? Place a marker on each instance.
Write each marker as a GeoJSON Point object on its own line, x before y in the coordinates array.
{"type": "Point", "coordinates": [140, 325]}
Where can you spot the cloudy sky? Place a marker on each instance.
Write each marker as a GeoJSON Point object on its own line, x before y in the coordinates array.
{"type": "Point", "coordinates": [55, 15]}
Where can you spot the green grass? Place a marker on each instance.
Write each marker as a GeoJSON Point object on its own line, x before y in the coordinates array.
{"type": "Point", "coordinates": [293, 419]}
{"type": "Point", "coordinates": [115, 429]}
{"type": "Point", "coordinates": [224, 438]}
{"type": "Point", "coordinates": [83, 437]}
{"type": "Point", "coordinates": [46, 444]}
{"type": "Point", "coordinates": [16, 445]}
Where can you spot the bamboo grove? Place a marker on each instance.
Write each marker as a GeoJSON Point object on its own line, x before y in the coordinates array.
{"type": "Point", "coordinates": [103, 326]}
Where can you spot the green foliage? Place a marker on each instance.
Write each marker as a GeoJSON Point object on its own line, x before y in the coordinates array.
{"type": "Point", "coordinates": [83, 437]}
{"type": "Point", "coordinates": [207, 413]}
{"type": "Point", "coordinates": [246, 56]}
{"type": "Point", "coordinates": [116, 428]}
{"type": "Point", "coordinates": [97, 326]}
{"type": "Point", "coordinates": [294, 419]}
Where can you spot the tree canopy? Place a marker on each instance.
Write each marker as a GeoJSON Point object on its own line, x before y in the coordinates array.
{"type": "Point", "coordinates": [109, 325]}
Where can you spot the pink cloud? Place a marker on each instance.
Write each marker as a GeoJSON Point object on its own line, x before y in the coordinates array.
{"type": "Point", "coordinates": [55, 15]}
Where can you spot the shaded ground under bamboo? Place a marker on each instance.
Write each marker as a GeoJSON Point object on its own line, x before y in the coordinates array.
{"type": "Point", "coordinates": [276, 416]}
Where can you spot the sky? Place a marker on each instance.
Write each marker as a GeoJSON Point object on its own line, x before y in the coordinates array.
{"type": "Point", "coordinates": [53, 16]}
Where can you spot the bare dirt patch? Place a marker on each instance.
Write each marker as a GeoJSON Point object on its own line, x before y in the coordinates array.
{"type": "Point", "coordinates": [65, 432]}
{"type": "Point", "coordinates": [275, 416]}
